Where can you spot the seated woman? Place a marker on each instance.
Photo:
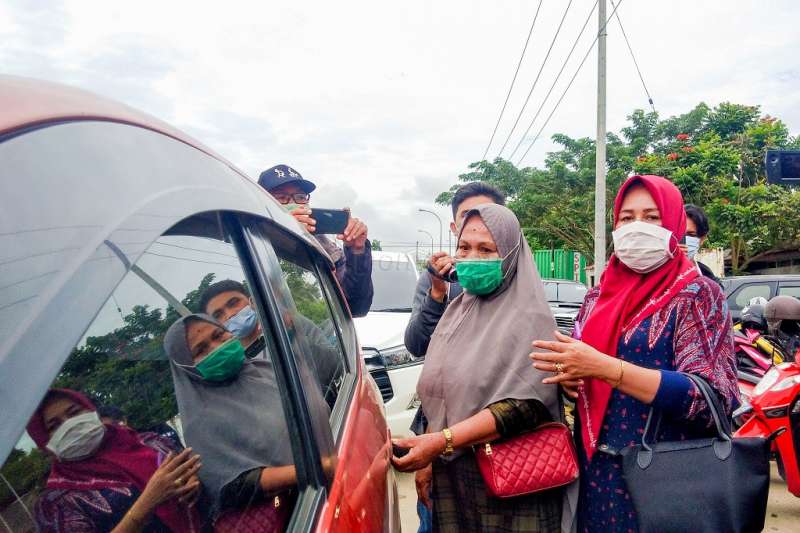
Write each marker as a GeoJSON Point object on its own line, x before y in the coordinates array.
{"type": "Point", "coordinates": [231, 414]}
{"type": "Point", "coordinates": [107, 477]}
{"type": "Point", "coordinates": [478, 384]}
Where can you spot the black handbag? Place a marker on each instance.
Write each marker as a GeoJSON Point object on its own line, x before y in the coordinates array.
{"type": "Point", "coordinates": [700, 485]}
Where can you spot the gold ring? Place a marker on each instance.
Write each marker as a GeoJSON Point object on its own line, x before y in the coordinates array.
{"type": "Point", "coordinates": [560, 368]}
{"type": "Point", "coordinates": [178, 482]}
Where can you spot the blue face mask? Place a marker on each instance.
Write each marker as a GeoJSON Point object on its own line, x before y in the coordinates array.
{"type": "Point", "coordinates": [692, 246]}
{"type": "Point", "coordinates": [243, 323]}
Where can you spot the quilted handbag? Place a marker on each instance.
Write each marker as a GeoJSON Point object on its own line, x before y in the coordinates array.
{"type": "Point", "coordinates": [271, 515]}
{"type": "Point", "coordinates": [532, 462]}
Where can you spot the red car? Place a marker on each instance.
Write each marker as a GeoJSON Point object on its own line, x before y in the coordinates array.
{"type": "Point", "coordinates": [115, 225]}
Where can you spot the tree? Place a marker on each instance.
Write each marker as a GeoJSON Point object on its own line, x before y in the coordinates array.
{"type": "Point", "coordinates": [714, 155]}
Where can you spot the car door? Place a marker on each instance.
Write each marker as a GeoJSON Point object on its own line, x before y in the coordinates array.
{"type": "Point", "coordinates": [344, 403]}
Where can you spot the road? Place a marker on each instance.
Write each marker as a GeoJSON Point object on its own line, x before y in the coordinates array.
{"type": "Point", "coordinates": [783, 512]}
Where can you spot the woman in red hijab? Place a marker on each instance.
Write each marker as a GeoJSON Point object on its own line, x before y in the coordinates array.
{"type": "Point", "coordinates": [107, 477]}
{"type": "Point", "coordinates": [651, 319]}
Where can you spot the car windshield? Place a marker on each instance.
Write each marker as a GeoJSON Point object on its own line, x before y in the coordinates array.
{"type": "Point", "coordinates": [394, 283]}
{"type": "Point", "coordinates": [569, 293]}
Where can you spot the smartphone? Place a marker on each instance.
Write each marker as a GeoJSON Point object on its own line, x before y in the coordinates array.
{"type": "Point", "coordinates": [398, 452]}
{"type": "Point", "coordinates": [330, 221]}
{"type": "Point", "coordinates": [450, 277]}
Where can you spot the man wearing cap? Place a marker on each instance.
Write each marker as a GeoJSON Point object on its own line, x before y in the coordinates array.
{"type": "Point", "coordinates": [354, 264]}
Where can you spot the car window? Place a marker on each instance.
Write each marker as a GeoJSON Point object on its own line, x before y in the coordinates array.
{"type": "Point", "coordinates": [304, 307]}
{"type": "Point", "coordinates": [790, 290]}
{"type": "Point", "coordinates": [571, 293]}
{"type": "Point", "coordinates": [748, 292]}
{"type": "Point", "coordinates": [550, 290]}
{"type": "Point", "coordinates": [394, 283]}
{"type": "Point", "coordinates": [144, 383]}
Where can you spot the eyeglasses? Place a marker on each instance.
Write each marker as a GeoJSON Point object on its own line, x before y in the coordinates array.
{"type": "Point", "coordinates": [298, 198]}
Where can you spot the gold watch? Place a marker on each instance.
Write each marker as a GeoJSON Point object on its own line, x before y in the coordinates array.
{"type": "Point", "coordinates": [448, 437]}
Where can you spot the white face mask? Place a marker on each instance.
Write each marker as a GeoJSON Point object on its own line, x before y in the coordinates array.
{"type": "Point", "coordinates": [692, 246]}
{"type": "Point", "coordinates": [78, 437]}
{"type": "Point", "coordinates": [641, 246]}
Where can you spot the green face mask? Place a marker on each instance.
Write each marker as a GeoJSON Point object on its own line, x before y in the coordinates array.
{"type": "Point", "coordinates": [480, 276]}
{"type": "Point", "coordinates": [224, 362]}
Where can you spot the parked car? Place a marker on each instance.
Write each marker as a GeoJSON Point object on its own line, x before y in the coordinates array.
{"type": "Point", "coordinates": [739, 290]}
{"type": "Point", "coordinates": [565, 299]}
{"type": "Point", "coordinates": [113, 225]}
{"type": "Point", "coordinates": [381, 332]}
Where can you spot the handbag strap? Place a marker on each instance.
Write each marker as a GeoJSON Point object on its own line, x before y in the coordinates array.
{"type": "Point", "coordinates": [721, 422]}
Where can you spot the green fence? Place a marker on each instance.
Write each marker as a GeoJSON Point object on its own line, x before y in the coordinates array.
{"type": "Point", "coordinates": [561, 264]}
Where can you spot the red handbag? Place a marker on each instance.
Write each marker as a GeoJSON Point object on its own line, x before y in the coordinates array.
{"type": "Point", "coordinates": [271, 515]}
{"type": "Point", "coordinates": [532, 462]}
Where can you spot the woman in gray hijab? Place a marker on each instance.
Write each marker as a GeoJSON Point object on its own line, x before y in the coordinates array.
{"type": "Point", "coordinates": [231, 414]}
{"type": "Point", "coordinates": [478, 385]}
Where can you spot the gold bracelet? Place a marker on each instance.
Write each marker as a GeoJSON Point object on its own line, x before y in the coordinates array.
{"type": "Point", "coordinates": [621, 374]}
{"type": "Point", "coordinates": [138, 522]}
{"type": "Point", "coordinates": [448, 438]}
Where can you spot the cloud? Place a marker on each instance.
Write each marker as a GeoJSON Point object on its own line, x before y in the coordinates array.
{"type": "Point", "coordinates": [384, 105]}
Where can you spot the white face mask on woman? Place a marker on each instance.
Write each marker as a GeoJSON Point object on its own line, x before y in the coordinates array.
{"type": "Point", "coordinates": [641, 246]}
{"type": "Point", "coordinates": [78, 437]}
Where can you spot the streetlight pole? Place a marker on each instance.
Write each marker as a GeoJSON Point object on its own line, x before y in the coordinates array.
{"type": "Point", "coordinates": [429, 235]}
{"type": "Point", "coordinates": [600, 156]}
{"type": "Point", "coordinates": [440, 225]}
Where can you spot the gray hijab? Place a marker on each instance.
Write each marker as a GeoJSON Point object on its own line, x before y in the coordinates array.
{"type": "Point", "coordinates": [235, 426]}
{"type": "Point", "coordinates": [478, 354]}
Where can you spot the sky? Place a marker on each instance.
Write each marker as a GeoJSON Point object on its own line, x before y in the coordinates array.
{"type": "Point", "coordinates": [384, 104]}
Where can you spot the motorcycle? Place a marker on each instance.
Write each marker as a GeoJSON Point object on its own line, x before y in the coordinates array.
{"type": "Point", "coordinates": [773, 410]}
{"type": "Point", "coordinates": [756, 352]}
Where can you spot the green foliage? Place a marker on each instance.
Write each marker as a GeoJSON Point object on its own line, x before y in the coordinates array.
{"type": "Point", "coordinates": [714, 156]}
{"type": "Point", "coordinates": [25, 472]}
{"type": "Point", "coordinates": [376, 245]}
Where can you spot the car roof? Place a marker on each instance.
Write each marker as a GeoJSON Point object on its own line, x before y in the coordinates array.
{"type": "Point", "coordinates": [73, 213]}
{"type": "Point", "coordinates": [761, 277]}
{"type": "Point", "coordinates": [396, 257]}
{"type": "Point", "coordinates": [30, 103]}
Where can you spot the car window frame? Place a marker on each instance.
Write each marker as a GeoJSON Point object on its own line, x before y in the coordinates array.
{"type": "Point", "coordinates": [347, 391]}
{"type": "Point", "coordinates": [788, 285]}
{"type": "Point", "coordinates": [733, 305]}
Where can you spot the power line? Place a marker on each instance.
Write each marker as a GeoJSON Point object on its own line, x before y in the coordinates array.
{"type": "Point", "coordinates": [552, 43]}
{"type": "Point", "coordinates": [589, 51]}
{"type": "Point", "coordinates": [635, 63]}
{"type": "Point", "coordinates": [558, 76]}
{"type": "Point", "coordinates": [513, 80]}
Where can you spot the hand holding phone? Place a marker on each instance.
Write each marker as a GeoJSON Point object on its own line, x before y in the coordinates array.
{"type": "Point", "coordinates": [330, 221]}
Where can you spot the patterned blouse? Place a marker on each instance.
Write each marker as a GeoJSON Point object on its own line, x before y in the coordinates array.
{"type": "Point", "coordinates": [90, 511]}
{"type": "Point", "coordinates": [692, 333]}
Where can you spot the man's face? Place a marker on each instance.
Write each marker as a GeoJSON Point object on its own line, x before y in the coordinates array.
{"type": "Point", "coordinates": [691, 230]}
{"type": "Point", "coordinates": [290, 193]}
{"type": "Point", "coordinates": [463, 207]}
{"type": "Point", "coordinates": [226, 304]}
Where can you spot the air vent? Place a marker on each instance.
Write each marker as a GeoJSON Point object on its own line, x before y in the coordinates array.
{"type": "Point", "coordinates": [377, 369]}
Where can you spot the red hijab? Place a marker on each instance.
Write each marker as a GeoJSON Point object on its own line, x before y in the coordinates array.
{"type": "Point", "coordinates": [121, 461]}
{"type": "Point", "coordinates": [626, 297]}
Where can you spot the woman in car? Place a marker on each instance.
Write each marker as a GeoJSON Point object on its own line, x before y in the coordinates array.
{"type": "Point", "coordinates": [107, 477]}
{"type": "Point", "coordinates": [652, 318]}
{"type": "Point", "coordinates": [231, 414]}
{"type": "Point", "coordinates": [478, 385]}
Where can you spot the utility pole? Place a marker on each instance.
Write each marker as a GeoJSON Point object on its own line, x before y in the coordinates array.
{"type": "Point", "coordinates": [600, 157]}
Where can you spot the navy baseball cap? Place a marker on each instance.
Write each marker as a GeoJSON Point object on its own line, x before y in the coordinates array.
{"type": "Point", "coordinates": [280, 174]}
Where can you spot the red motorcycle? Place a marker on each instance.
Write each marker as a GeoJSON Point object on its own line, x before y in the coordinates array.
{"type": "Point", "coordinates": [756, 351]}
{"type": "Point", "coordinates": [775, 407]}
